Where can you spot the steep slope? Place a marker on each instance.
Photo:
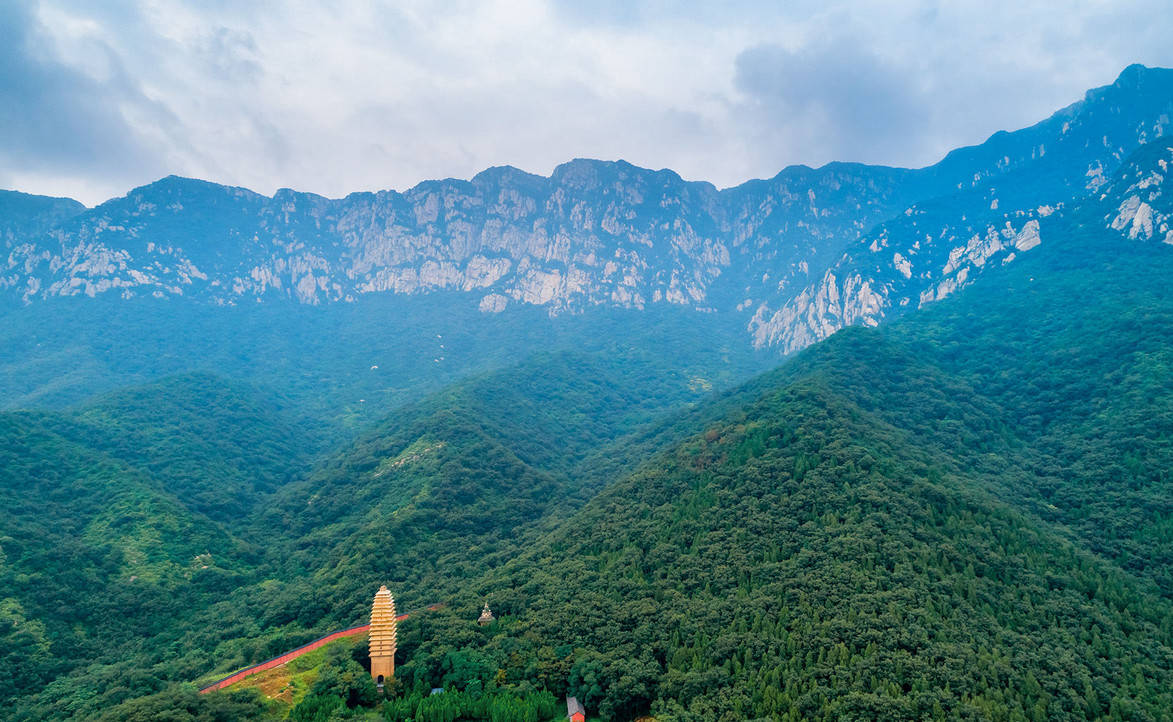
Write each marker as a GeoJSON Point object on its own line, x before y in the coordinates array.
{"type": "Point", "coordinates": [24, 217]}
{"type": "Point", "coordinates": [982, 209]}
{"type": "Point", "coordinates": [810, 560]}
{"type": "Point", "coordinates": [95, 556]}
{"type": "Point", "coordinates": [216, 446]}
{"type": "Point", "coordinates": [1074, 346]}
{"type": "Point", "coordinates": [594, 233]}
{"type": "Point", "coordinates": [1139, 203]}
{"type": "Point", "coordinates": [791, 259]}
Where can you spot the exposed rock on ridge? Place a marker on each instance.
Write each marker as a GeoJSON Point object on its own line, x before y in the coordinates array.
{"type": "Point", "coordinates": [991, 199]}
{"type": "Point", "coordinates": [792, 259]}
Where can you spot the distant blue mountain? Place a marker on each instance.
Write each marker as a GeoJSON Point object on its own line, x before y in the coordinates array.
{"type": "Point", "coordinates": [788, 260]}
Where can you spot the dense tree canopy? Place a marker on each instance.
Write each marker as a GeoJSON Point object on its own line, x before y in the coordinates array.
{"type": "Point", "coordinates": [967, 514]}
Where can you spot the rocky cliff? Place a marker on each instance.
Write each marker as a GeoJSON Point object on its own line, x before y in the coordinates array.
{"type": "Point", "coordinates": [790, 259]}
{"type": "Point", "coordinates": [979, 208]}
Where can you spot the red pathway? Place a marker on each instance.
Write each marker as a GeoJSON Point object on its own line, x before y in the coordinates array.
{"type": "Point", "coordinates": [304, 649]}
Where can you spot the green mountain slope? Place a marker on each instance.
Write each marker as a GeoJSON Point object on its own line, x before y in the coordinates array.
{"type": "Point", "coordinates": [340, 368]}
{"type": "Point", "coordinates": [1075, 352]}
{"type": "Point", "coordinates": [118, 525]}
{"type": "Point", "coordinates": [963, 515]}
{"type": "Point", "coordinates": [96, 556]}
{"type": "Point", "coordinates": [439, 493]}
{"type": "Point", "coordinates": [810, 560]}
{"type": "Point", "coordinates": [958, 517]}
{"type": "Point", "coordinates": [217, 446]}
{"type": "Point", "coordinates": [451, 486]}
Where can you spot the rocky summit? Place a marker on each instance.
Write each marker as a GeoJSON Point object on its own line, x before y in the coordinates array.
{"type": "Point", "coordinates": [790, 259]}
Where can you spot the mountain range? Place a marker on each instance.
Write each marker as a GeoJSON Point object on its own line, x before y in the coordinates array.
{"type": "Point", "coordinates": [567, 397]}
{"type": "Point", "coordinates": [789, 260]}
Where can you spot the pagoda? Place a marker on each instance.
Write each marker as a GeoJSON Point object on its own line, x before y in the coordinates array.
{"type": "Point", "coordinates": [486, 616]}
{"type": "Point", "coordinates": [382, 638]}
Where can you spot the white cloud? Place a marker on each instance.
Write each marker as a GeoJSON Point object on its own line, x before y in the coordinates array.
{"type": "Point", "coordinates": [338, 97]}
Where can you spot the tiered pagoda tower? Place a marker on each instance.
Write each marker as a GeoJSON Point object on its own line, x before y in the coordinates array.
{"type": "Point", "coordinates": [383, 634]}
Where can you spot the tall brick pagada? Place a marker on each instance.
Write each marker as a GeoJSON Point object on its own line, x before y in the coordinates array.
{"type": "Point", "coordinates": [383, 633]}
{"type": "Point", "coordinates": [279, 660]}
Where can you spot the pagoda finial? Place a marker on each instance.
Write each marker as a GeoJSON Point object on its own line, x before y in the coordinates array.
{"type": "Point", "coordinates": [383, 636]}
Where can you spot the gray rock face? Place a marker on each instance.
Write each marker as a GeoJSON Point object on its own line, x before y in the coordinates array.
{"type": "Point", "coordinates": [1138, 204]}
{"type": "Point", "coordinates": [791, 259]}
{"type": "Point", "coordinates": [986, 212]}
{"type": "Point", "coordinates": [594, 233]}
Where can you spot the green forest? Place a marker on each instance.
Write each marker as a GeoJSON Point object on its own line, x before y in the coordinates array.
{"type": "Point", "coordinates": [966, 514]}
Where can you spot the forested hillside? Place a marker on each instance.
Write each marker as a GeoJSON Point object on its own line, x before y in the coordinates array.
{"type": "Point", "coordinates": [335, 370]}
{"type": "Point", "coordinates": [956, 517]}
{"type": "Point", "coordinates": [966, 513]}
{"type": "Point", "coordinates": [121, 519]}
{"type": "Point", "coordinates": [440, 492]}
{"type": "Point", "coordinates": [96, 557]}
{"type": "Point", "coordinates": [962, 515]}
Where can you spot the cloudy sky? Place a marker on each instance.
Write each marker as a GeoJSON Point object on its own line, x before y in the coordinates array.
{"type": "Point", "coordinates": [332, 97]}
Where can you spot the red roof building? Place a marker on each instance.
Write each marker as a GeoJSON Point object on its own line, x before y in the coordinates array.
{"type": "Point", "coordinates": [574, 710]}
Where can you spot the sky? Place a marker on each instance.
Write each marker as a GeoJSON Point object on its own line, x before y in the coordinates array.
{"type": "Point", "coordinates": [97, 98]}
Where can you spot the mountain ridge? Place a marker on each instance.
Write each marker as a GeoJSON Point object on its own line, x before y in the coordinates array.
{"type": "Point", "coordinates": [789, 259]}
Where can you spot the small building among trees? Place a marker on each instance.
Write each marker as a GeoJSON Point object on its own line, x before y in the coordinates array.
{"type": "Point", "coordinates": [486, 616]}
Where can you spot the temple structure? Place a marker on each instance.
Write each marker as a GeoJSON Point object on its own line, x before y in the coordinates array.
{"type": "Point", "coordinates": [383, 634]}
{"type": "Point", "coordinates": [486, 616]}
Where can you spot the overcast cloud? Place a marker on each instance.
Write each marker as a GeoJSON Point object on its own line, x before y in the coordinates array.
{"type": "Point", "coordinates": [96, 98]}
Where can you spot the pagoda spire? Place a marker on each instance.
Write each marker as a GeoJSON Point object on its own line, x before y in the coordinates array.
{"type": "Point", "coordinates": [383, 636]}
